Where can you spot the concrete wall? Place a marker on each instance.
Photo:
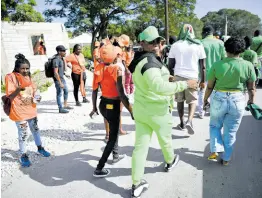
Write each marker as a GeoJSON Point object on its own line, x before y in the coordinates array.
{"type": "Point", "coordinates": [16, 38]}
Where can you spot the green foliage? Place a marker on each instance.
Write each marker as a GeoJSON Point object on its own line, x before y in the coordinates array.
{"type": "Point", "coordinates": [70, 34]}
{"type": "Point", "coordinates": [86, 50]}
{"type": "Point", "coordinates": [3, 88]}
{"type": "Point", "coordinates": [45, 86]}
{"type": "Point", "coordinates": [240, 22]}
{"type": "Point", "coordinates": [19, 11]}
{"type": "Point", "coordinates": [37, 72]}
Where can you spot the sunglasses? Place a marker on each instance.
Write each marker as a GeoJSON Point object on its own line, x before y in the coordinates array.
{"type": "Point", "coordinates": [154, 42]}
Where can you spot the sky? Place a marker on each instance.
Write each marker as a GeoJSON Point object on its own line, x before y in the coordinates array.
{"type": "Point", "coordinates": [202, 6]}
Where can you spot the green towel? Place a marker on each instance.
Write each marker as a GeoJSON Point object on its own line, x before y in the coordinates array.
{"type": "Point", "coordinates": [255, 110]}
{"type": "Point", "coordinates": [187, 34]}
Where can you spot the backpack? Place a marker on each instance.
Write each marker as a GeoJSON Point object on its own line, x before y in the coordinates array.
{"type": "Point", "coordinates": [49, 70]}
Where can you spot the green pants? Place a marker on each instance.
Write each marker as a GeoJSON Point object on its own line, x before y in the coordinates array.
{"type": "Point", "coordinates": [145, 125]}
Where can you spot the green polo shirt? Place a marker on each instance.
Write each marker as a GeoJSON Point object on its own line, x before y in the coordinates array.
{"type": "Point", "coordinates": [232, 74]}
{"type": "Point", "coordinates": [215, 51]}
{"type": "Point", "coordinates": [255, 43]}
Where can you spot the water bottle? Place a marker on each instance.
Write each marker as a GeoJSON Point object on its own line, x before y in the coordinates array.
{"type": "Point", "coordinates": [37, 96]}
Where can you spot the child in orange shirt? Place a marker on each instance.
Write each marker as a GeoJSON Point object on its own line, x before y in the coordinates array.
{"type": "Point", "coordinates": [21, 90]}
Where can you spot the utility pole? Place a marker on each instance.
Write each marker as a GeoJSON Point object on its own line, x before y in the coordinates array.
{"type": "Point", "coordinates": [166, 22]}
{"type": "Point", "coordinates": [226, 27]}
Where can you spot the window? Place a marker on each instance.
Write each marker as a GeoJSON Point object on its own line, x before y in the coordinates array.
{"type": "Point", "coordinates": [38, 44]}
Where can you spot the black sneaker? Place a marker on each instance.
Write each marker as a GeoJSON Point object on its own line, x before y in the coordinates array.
{"type": "Point", "coordinates": [63, 110]}
{"type": "Point", "coordinates": [169, 167]}
{"type": "Point", "coordinates": [181, 126]}
{"type": "Point", "coordinates": [139, 189]}
{"type": "Point", "coordinates": [85, 100]}
{"type": "Point", "coordinates": [117, 159]}
{"type": "Point", "coordinates": [189, 127]}
{"type": "Point", "coordinates": [101, 173]}
{"type": "Point", "coordinates": [78, 104]}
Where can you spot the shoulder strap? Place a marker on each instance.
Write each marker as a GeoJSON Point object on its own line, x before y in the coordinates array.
{"type": "Point", "coordinates": [258, 47]}
{"type": "Point", "coordinates": [77, 60]}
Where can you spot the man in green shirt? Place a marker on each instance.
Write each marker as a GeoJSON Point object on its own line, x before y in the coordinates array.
{"type": "Point", "coordinates": [215, 51]}
{"type": "Point", "coordinates": [153, 103]}
{"type": "Point", "coordinates": [257, 47]}
{"type": "Point", "coordinates": [251, 55]}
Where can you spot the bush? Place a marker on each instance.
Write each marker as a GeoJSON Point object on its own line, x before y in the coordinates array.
{"type": "Point", "coordinates": [45, 86]}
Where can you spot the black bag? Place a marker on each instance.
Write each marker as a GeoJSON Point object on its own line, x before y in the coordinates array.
{"type": "Point", "coordinates": [49, 70]}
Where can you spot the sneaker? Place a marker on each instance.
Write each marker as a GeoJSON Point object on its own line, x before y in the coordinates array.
{"type": "Point", "coordinates": [85, 100]}
{"type": "Point", "coordinates": [43, 152]}
{"type": "Point", "coordinates": [181, 126]}
{"type": "Point", "coordinates": [189, 127]}
{"type": "Point", "coordinates": [169, 167]}
{"type": "Point", "coordinates": [224, 163]}
{"type": "Point", "coordinates": [101, 173]}
{"type": "Point", "coordinates": [213, 157]}
{"type": "Point", "coordinates": [63, 110]}
{"type": "Point", "coordinates": [201, 115]}
{"type": "Point", "coordinates": [68, 108]}
{"type": "Point", "coordinates": [117, 159]}
{"type": "Point", "coordinates": [137, 190]}
{"type": "Point", "coordinates": [78, 104]}
{"type": "Point", "coordinates": [24, 161]}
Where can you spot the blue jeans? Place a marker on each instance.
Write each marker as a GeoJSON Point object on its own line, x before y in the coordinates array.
{"type": "Point", "coordinates": [59, 93]}
{"type": "Point", "coordinates": [226, 110]}
{"type": "Point", "coordinates": [23, 133]}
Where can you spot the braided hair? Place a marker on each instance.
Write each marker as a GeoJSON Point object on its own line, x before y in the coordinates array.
{"type": "Point", "coordinates": [20, 59]}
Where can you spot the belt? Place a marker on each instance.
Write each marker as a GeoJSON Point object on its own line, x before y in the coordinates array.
{"type": "Point", "coordinates": [231, 91]}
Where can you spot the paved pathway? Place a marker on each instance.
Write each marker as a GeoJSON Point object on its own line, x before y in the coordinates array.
{"type": "Point", "coordinates": [76, 142]}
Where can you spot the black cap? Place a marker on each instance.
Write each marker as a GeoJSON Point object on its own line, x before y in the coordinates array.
{"type": "Point", "coordinates": [60, 48]}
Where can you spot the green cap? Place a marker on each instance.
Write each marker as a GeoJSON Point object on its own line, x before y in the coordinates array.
{"type": "Point", "coordinates": [149, 34]}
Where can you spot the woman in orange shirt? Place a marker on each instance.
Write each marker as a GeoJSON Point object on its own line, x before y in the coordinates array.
{"type": "Point", "coordinates": [78, 75]}
{"type": "Point", "coordinates": [21, 89]}
{"type": "Point", "coordinates": [108, 77]}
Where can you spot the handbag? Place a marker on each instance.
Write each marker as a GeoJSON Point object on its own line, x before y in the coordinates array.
{"type": "Point", "coordinates": [7, 101]}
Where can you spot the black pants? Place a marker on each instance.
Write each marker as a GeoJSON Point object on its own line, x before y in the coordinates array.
{"type": "Point", "coordinates": [76, 81]}
{"type": "Point", "coordinates": [110, 109]}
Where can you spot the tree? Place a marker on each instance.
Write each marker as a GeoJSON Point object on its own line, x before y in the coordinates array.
{"type": "Point", "coordinates": [91, 15]}
{"type": "Point", "coordinates": [240, 22]}
{"type": "Point", "coordinates": [18, 11]}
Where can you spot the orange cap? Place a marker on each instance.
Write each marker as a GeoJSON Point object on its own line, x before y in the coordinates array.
{"type": "Point", "coordinates": [123, 40]}
{"type": "Point", "coordinates": [108, 53]}
{"type": "Point", "coordinates": [97, 44]}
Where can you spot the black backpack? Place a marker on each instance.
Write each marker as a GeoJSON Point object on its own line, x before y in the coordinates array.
{"type": "Point", "coordinates": [49, 70]}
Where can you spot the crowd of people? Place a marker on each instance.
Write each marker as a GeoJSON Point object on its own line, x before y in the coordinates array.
{"type": "Point", "coordinates": [188, 70]}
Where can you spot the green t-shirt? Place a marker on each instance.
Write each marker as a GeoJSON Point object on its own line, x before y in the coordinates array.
{"type": "Point", "coordinates": [251, 56]}
{"type": "Point", "coordinates": [215, 51]}
{"type": "Point", "coordinates": [255, 43]}
{"type": "Point", "coordinates": [232, 74]}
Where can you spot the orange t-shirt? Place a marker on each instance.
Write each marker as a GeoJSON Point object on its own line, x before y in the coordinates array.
{"type": "Point", "coordinates": [41, 50]}
{"type": "Point", "coordinates": [22, 107]}
{"type": "Point", "coordinates": [77, 61]}
{"type": "Point", "coordinates": [106, 77]}
{"type": "Point", "coordinates": [96, 54]}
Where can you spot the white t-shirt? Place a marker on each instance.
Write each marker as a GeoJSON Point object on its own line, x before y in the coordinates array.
{"type": "Point", "coordinates": [187, 56]}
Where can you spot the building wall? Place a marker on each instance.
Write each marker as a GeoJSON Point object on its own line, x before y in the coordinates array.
{"type": "Point", "coordinates": [16, 38]}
